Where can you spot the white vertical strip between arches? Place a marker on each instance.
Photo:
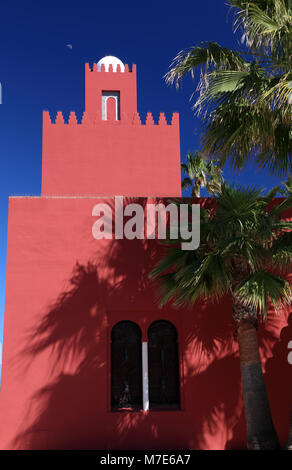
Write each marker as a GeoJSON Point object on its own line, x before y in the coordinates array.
{"type": "Point", "coordinates": [145, 379]}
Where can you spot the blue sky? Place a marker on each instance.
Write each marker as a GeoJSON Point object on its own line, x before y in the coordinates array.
{"type": "Point", "coordinates": [38, 72]}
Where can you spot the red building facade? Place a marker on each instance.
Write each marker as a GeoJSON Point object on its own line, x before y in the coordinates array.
{"type": "Point", "coordinates": [79, 312]}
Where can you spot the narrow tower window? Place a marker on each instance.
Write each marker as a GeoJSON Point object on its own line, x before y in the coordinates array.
{"type": "Point", "coordinates": [107, 98]}
{"type": "Point", "coordinates": [126, 366]}
{"type": "Point", "coordinates": [163, 366]}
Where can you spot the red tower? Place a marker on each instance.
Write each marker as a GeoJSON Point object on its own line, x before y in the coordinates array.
{"type": "Point", "coordinates": [110, 152]}
{"type": "Point", "coordinates": [90, 361]}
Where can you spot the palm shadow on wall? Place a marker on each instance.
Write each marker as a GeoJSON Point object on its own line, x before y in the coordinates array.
{"type": "Point", "coordinates": [66, 413]}
{"type": "Point", "coordinates": [72, 331]}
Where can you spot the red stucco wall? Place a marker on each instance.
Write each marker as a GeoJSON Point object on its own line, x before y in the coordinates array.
{"type": "Point", "coordinates": [64, 292]}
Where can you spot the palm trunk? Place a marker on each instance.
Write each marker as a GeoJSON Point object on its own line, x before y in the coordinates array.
{"type": "Point", "coordinates": [197, 188]}
{"type": "Point", "coordinates": [261, 434]}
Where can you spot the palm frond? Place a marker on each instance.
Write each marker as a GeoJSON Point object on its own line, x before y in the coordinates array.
{"type": "Point", "coordinates": [239, 132]}
{"type": "Point", "coordinates": [186, 183]}
{"type": "Point", "coordinates": [242, 237]}
{"type": "Point", "coordinates": [281, 253]}
{"type": "Point", "coordinates": [259, 287]}
{"type": "Point", "coordinates": [243, 97]}
{"type": "Point", "coordinates": [265, 25]}
{"type": "Point", "coordinates": [206, 56]}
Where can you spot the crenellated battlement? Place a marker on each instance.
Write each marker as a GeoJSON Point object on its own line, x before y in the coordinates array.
{"type": "Point", "coordinates": [95, 119]}
{"type": "Point", "coordinates": [102, 69]}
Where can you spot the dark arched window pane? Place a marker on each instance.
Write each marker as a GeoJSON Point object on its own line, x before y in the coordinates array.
{"type": "Point", "coordinates": [126, 366]}
{"type": "Point", "coordinates": [163, 365]}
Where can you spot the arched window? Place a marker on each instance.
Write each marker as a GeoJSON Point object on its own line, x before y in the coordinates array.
{"type": "Point", "coordinates": [110, 105]}
{"type": "Point", "coordinates": [111, 109]}
{"type": "Point", "coordinates": [163, 366]}
{"type": "Point", "coordinates": [126, 366]}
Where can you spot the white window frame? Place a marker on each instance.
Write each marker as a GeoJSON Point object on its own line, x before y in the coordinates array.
{"type": "Point", "coordinates": [105, 96]}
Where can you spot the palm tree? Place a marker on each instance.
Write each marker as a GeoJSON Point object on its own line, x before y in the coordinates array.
{"type": "Point", "coordinates": [201, 173]}
{"type": "Point", "coordinates": [245, 249]}
{"type": "Point", "coordinates": [243, 95]}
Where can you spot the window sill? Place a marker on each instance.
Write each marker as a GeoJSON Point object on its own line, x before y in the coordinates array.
{"type": "Point", "coordinates": [151, 410]}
